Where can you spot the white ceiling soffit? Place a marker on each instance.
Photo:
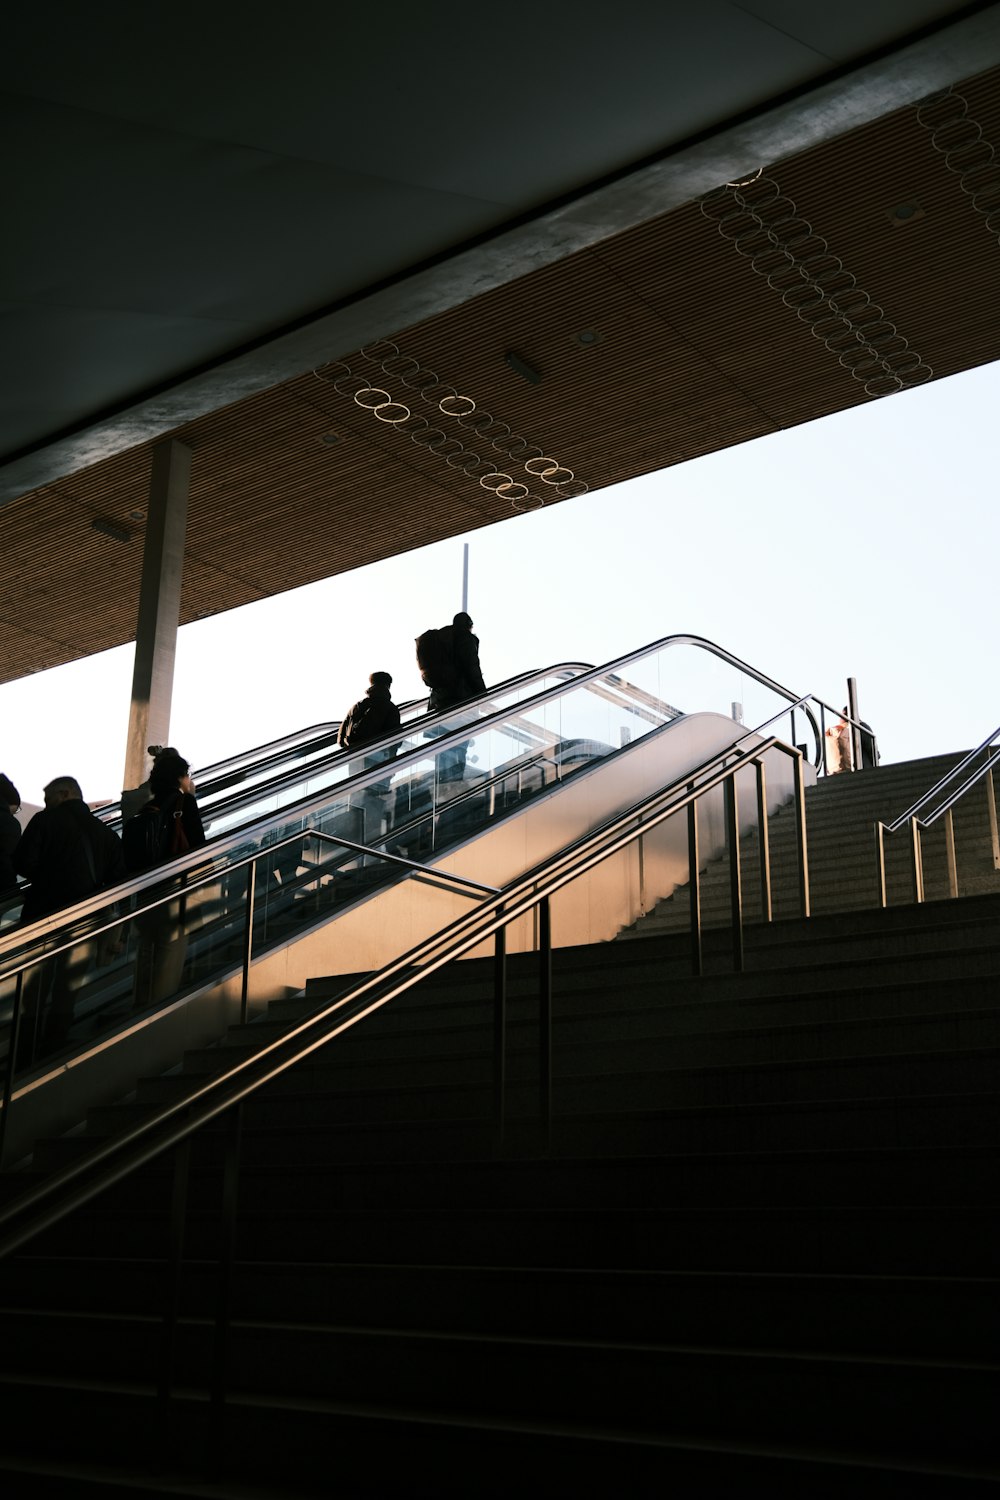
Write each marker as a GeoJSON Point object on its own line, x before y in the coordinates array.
{"type": "Point", "coordinates": [206, 208]}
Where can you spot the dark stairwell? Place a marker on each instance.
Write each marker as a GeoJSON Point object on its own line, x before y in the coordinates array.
{"type": "Point", "coordinates": [761, 1251]}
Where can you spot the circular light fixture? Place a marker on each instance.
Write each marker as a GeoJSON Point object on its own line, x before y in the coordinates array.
{"type": "Point", "coordinates": [588, 337]}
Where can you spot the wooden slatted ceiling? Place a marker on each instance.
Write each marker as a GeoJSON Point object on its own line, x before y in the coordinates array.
{"type": "Point", "coordinates": [695, 353]}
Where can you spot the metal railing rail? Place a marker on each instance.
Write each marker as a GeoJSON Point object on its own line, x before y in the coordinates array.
{"type": "Point", "coordinates": [229, 847]}
{"type": "Point", "coordinates": [310, 804]}
{"type": "Point", "coordinates": [497, 909]}
{"type": "Point", "coordinates": [17, 970]}
{"type": "Point", "coordinates": [301, 743]}
{"type": "Point", "coordinates": [943, 807]}
{"type": "Point", "coordinates": [173, 1125]}
{"type": "Point", "coordinates": [591, 675]}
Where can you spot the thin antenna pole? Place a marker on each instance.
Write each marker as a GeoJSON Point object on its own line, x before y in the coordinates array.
{"type": "Point", "coordinates": [465, 578]}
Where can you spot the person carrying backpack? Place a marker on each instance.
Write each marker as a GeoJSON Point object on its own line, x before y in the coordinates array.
{"type": "Point", "coordinates": [448, 660]}
{"type": "Point", "coordinates": [68, 855]}
{"type": "Point", "coordinates": [167, 827]}
{"type": "Point", "coordinates": [372, 718]}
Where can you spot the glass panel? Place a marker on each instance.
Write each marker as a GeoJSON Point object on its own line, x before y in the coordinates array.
{"type": "Point", "coordinates": [437, 783]}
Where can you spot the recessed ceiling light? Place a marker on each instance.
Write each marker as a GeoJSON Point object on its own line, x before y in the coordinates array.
{"type": "Point", "coordinates": [588, 337]}
{"type": "Point", "coordinates": [331, 438]}
{"type": "Point", "coordinates": [905, 213]}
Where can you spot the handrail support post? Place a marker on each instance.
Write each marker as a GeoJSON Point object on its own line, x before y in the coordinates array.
{"type": "Point", "coordinates": [735, 874]}
{"type": "Point", "coordinates": [949, 850]}
{"type": "Point", "coordinates": [917, 855]}
{"type": "Point", "coordinates": [763, 839]}
{"type": "Point", "coordinates": [694, 886]}
{"type": "Point", "coordinates": [545, 1022]}
{"type": "Point", "coordinates": [499, 1038]}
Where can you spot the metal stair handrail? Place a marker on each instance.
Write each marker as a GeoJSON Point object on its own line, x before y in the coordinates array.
{"type": "Point", "coordinates": [918, 824]}
{"type": "Point", "coordinates": [233, 769]}
{"type": "Point", "coordinates": [117, 1158]}
{"type": "Point", "coordinates": [228, 844]}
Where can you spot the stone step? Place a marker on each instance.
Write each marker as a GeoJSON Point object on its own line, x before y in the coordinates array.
{"type": "Point", "coordinates": [938, 1317]}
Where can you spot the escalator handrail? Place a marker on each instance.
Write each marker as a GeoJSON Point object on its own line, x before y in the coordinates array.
{"type": "Point", "coordinates": [203, 1105]}
{"type": "Point", "coordinates": [220, 848]}
{"type": "Point", "coordinates": [248, 796]}
{"type": "Point", "coordinates": [251, 762]}
{"type": "Point", "coordinates": [591, 674]}
{"type": "Point", "coordinates": [956, 796]}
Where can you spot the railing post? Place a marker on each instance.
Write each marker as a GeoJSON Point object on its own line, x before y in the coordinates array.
{"type": "Point", "coordinates": [880, 856]}
{"type": "Point", "coordinates": [694, 885]}
{"type": "Point", "coordinates": [991, 810]}
{"type": "Point", "coordinates": [227, 1256]}
{"type": "Point", "coordinates": [763, 838]}
{"type": "Point", "coordinates": [248, 940]}
{"type": "Point", "coordinates": [10, 1066]}
{"type": "Point", "coordinates": [949, 854]}
{"type": "Point", "coordinates": [545, 1021]}
{"type": "Point", "coordinates": [918, 861]}
{"type": "Point", "coordinates": [800, 821]}
{"type": "Point", "coordinates": [499, 1037]}
{"type": "Point", "coordinates": [175, 1261]}
{"type": "Point", "coordinates": [735, 874]}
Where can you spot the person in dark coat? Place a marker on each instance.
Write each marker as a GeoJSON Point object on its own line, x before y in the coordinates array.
{"type": "Point", "coordinates": [457, 675]}
{"type": "Point", "coordinates": [67, 854]}
{"type": "Point", "coordinates": [10, 833]}
{"type": "Point", "coordinates": [454, 677]}
{"type": "Point", "coordinates": [173, 811]}
{"type": "Point", "coordinates": [372, 718]}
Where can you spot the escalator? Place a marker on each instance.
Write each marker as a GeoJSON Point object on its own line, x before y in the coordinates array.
{"type": "Point", "coordinates": [341, 864]}
{"type": "Point", "coordinates": [307, 753]}
{"type": "Point", "coordinates": [240, 787]}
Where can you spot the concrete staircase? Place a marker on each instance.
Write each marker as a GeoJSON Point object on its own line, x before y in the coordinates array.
{"type": "Point", "coordinates": [760, 1255]}
{"type": "Point", "coordinates": [841, 813]}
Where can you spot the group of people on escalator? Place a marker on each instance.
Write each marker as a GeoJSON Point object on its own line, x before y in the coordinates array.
{"type": "Point", "coordinates": [68, 854]}
{"type": "Point", "coordinates": [448, 662]}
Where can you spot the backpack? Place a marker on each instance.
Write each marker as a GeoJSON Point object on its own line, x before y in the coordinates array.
{"type": "Point", "coordinates": [364, 723]}
{"type": "Point", "coordinates": [434, 659]}
{"type": "Point", "coordinates": [152, 836]}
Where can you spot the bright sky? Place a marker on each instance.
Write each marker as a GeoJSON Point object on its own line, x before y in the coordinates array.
{"type": "Point", "coordinates": [862, 545]}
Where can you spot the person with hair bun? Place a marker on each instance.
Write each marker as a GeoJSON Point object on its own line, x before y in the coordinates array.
{"type": "Point", "coordinates": [10, 833]}
{"type": "Point", "coordinates": [168, 826]}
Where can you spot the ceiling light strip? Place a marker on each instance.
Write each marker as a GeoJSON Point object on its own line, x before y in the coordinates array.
{"type": "Point", "coordinates": [450, 403]}
{"type": "Point", "coordinates": [764, 226]}
{"type": "Point", "coordinates": [959, 139]}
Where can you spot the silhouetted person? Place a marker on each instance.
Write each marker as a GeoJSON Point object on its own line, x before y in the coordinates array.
{"type": "Point", "coordinates": [167, 827]}
{"type": "Point", "coordinates": [372, 718]}
{"type": "Point", "coordinates": [10, 834]}
{"type": "Point", "coordinates": [449, 665]}
{"type": "Point", "coordinates": [67, 854]}
{"type": "Point", "coordinates": [136, 798]}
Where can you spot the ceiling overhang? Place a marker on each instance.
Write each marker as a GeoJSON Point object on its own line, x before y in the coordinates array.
{"type": "Point", "coordinates": [655, 338]}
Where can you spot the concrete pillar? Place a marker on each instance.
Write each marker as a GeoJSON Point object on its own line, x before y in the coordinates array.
{"type": "Point", "coordinates": [159, 606]}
